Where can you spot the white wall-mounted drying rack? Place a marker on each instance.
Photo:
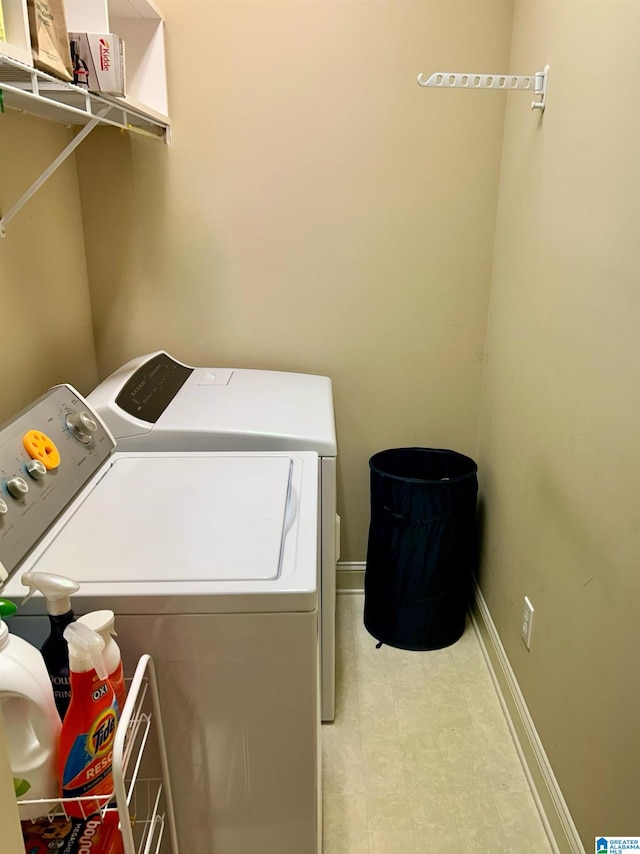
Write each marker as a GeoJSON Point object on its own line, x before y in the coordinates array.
{"type": "Point", "coordinates": [502, 82]}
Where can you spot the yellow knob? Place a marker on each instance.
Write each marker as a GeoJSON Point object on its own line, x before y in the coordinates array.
{"type": "Point", "coordinates": [40, 447]}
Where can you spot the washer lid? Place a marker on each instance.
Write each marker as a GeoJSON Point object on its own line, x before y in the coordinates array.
{"type": "Point", "coordinates": [182, 518]}
{"type": "Point", "coordinates": [181, 533]}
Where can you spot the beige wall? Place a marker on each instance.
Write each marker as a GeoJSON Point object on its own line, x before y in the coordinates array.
{"type": "Point", "coordinates": [318, 211]}
{"type": "Point", "coordinates": [559, 444]}
{"type": "Point", "coordinates": [47, 334]}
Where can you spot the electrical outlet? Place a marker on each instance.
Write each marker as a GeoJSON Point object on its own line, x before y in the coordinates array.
{"type": "Point", "coordinates": [527, 622]}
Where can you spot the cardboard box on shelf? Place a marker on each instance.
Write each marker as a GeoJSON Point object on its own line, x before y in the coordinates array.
{"type": "Point", "coordinates": [49, 42]}
{"type": "Point", "coordinates": [94, 835]}
{"type": "Point", "coordinates": [98, 62]}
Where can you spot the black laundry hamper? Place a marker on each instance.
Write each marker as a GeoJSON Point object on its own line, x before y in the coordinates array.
{"type": "Point", "coordinates": [421, 546]}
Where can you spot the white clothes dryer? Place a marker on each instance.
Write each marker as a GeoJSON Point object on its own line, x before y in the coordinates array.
{"type": "Point", "coordinates": [209, 561]}
{"type": "Point", "coordinates": [155, 403]}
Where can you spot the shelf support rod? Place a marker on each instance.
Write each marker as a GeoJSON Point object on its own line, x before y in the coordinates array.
{"type": "Point", "coordinates": [75, 142]}
{"type": "Point", "coordinates": [500, 82]}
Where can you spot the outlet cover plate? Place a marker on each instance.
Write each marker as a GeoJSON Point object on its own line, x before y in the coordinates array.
{"type": "Point", "coordinates": [527, 622]}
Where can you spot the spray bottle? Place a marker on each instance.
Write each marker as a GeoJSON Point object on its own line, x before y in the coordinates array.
{"type": "Point", "coordinates": [102, 623]}
{"type": "Point", "coordinates": [30, 717]}
{"type": "Point", "coordinates": [88, 729]}
{"type": "Point", "coordinates": [56, 590]}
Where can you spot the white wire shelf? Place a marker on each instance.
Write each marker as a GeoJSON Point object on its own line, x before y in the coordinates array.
{"type": "Point", "coordinates": [29, 90]}
{"type": "Point", "coordinates": [143, 803]}
{"type": "Point", "coordinates": [33, 91]}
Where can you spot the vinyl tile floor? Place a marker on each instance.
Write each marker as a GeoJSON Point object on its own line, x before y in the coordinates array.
{"type": "Point", "coordinates": [419, 758]}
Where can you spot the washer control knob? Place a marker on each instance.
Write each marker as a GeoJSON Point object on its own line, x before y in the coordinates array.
{"type": "Point", "coordinates": [82, 425]}
{"type": "Point", "coordinates": [36, 469]}
{"type": "Point", "coordinates": [17, 486]}
{"type": "Point", "coordinates": [3, 507]}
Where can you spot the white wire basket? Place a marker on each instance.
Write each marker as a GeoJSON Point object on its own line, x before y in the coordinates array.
{"type": "Point", "coordinates": [144, 803]}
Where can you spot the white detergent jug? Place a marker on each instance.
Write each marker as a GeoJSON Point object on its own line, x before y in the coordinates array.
{"type": "Point", "coordinates": [31, 719]}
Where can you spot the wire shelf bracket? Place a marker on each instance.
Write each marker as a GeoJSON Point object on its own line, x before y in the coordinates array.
{"type": "Point", "coordinates": [502, 82]}
{"type": "Point", "coordinates": [29, 90]}
{"type": "Point", "coordinates": [59, 160]}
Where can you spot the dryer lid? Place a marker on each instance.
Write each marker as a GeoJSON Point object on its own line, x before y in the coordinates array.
{"type": "Point", "coordinates": [155, 403]}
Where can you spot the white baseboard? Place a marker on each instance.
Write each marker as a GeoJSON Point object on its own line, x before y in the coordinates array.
{"type": "Point", "coordinates": [555, 815]}
{"type": "Point", "coordinates": [553, 809]}
{"type": "Point", "coordinates": [350, 576]}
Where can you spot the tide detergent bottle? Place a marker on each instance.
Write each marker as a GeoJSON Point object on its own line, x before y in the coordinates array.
{"type": "Point", "coordinates": [89, 726]}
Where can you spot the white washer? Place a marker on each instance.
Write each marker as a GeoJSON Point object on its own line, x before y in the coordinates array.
{"type": "Point", "coordinates": [209, 561]}
{"type": "Point", "coordinates": [155, 403]}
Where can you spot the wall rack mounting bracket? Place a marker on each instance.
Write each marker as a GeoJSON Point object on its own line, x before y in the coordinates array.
{"type": "Point", "coordinates": [69, 149]}
{"type": "Point", "coordinates": [502, 82]}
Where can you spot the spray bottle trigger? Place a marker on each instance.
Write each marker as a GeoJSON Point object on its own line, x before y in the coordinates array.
{"type": "Point", "coordinates": [56, 590]}
{"type": "Point", "coordinates": [88, 644]}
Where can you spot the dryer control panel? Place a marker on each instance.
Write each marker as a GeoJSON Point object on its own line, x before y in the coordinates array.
{"type": "Point", "coordinates": [48, 452]}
